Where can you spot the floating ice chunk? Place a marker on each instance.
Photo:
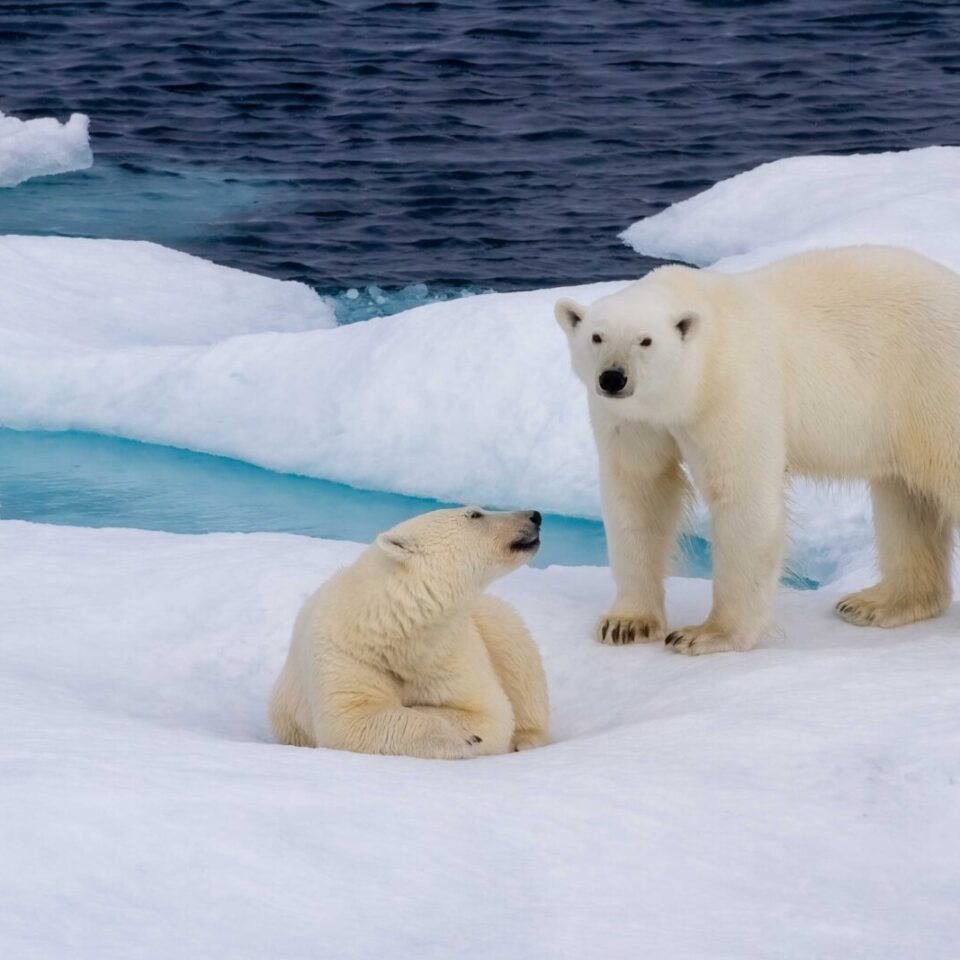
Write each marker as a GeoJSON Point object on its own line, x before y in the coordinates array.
{"type": "Point", "coordinates": [60, 291]}
{"type": "Point", "coordinates": [804, 794]}
{"type": "Point", "coordinates": [910, 198]}
{"type": "Point", "coordinates": [35, 148]}
{"type": "Point", "coordinates": [471, 399]}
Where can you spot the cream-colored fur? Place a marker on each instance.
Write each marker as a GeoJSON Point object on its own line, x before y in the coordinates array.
{"type": "Point", "coordinates": [834, 364]}
{"type": "Point", "coordinates": [403, 653]}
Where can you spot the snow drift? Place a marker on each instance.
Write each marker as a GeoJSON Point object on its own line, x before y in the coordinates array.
{"type": "Point", "coordinates": [36, 148]}
{"type": "Point", "coordinates": [798, 801]}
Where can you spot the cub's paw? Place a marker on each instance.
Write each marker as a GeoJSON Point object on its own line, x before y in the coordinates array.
{"type": "Point", "coordinates": [529, 740]}
{"type": "Point", "coordinates": [455, 747]}
{"type": "Point", "coordinates": [876, 608]}
{"type": "Point", "coordinates": [617, 629]}
{"type": "Point", "coordinates": [694, 641]}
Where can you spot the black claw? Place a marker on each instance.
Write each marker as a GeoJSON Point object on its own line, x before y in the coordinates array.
{"type": "Point", "coordinates": [615, 635]}
{"type": "Point", "coordinates": [603, 630]}
{"type": "Point", "coordinates": [628, 634]}
{"type": "Point", "coordinates": [474, 739]}
{"type": "Point", "coordinates": [645, 630]}
{"type": "Point", "coordinates": [672, 638]}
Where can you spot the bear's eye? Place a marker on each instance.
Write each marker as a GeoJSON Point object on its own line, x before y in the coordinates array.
{"type": "Point", "coordinates": [645, 342]}
{"type": "Point", "coordinates": [474, 514]}
{"type": "Point", "coordinates": [596, 338]}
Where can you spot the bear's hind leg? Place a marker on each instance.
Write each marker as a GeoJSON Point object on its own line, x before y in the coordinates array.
{"type": "Point", "coordinates": [914, 541]}
{"type": "Point", "coordinates": [287, 708]}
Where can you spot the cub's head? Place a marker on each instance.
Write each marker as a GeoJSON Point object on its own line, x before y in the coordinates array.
{"type": "Point", "coordinates": [639, 350]}
{"type": "Point", "coordinates": [461, 551]}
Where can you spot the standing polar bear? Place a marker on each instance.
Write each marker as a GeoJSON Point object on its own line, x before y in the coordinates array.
{"type": "Point", "coordinates": [836, 364]}
{"type": "Point", "coordinates": [403, 653]}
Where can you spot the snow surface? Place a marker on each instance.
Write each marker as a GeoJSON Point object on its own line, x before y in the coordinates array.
{"type": "Point", "coordinates": [64, 297]}
{"type": "Point", "coordinates": [909, 198]}
{"type": "Point", "coordinates": [801, 800]}
{"type": "Point", "coordinates": [36, 148]}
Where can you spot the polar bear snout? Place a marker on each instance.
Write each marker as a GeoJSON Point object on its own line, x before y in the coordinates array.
{"type": "Point", "coordinates": [613, 382]}
{"type": "Point", "coordinates": [528, 537]}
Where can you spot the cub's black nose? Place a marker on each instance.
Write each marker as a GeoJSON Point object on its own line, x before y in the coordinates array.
{"type": "Point", "coordinates": [535, 518]}
{"type": "Point", "coordinates": [612, 381]}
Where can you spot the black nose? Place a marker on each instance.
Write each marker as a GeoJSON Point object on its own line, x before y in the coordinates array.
{"type": "Point", "coordinates": [535, 518]}
{"type": "Point", "coordinates": [613, 380]}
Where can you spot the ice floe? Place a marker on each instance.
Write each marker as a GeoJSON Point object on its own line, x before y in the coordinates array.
{"type": "Point", "coordinates": [36, 148]}
{"type": "Point", "coordinates": [466, 400]}
{"type": "Point", "coordinates": [68, 296]}
{"type": "Point", "coordinates": [909, 198]}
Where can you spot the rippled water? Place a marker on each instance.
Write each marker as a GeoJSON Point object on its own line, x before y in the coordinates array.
{"type": "Point", "coordinates": [487, 145]}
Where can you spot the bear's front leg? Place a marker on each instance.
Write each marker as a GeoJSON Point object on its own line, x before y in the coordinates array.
{"type": "Point", "coordinates": [748, 521]}
{"type": "Point", "coordinates": [487, 728]}
{"type": "Point", "coordinates": [366, 722]}
{"type": "Point", "coordinates": [642, 487]}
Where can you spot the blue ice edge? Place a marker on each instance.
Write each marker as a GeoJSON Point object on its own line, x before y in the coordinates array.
{"type": "Point", "coordinates": [91, 480]}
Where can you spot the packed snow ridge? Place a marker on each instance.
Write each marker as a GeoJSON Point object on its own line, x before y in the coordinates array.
{"type": "Point", "coordinates": [797, 801]}
{"type": "Point", "coordinates": [36, 148]}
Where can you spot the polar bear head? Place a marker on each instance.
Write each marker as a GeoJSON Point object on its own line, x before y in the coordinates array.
{"type": "Point", "coordinates": [639, 351]}
{"type": "Point", "coordinates": [456, 553]}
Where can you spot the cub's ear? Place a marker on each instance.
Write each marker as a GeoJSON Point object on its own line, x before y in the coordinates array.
{"type": "Point", "coordinates": [569, 313]}
{"type": "Point", "coordinates": [687, 324]}
{"type": "Point", "coordinates": [395, 546]}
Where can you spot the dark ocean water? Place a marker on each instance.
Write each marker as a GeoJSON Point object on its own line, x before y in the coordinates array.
{"type": "Point", "coordinates": [481, 145]}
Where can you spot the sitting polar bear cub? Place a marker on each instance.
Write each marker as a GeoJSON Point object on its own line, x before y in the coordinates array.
{"type": "Point", "coordinates": [838, 363]}
{"type": "Point", "coordinates": [403, 653]}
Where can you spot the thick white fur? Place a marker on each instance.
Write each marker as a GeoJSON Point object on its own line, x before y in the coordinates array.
{"type": "Point", "coordinates": [835, 364]}
{"type": "Point", "coordinates": [402, 653]}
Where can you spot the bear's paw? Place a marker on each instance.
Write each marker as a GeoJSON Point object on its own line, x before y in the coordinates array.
{"type": "Point", "coordinates": [619, 629]}
{"type": "Point", "coordinates": [694, 641]}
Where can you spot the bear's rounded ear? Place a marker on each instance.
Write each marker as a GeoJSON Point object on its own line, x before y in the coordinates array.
{"type": "Point", "coordinates": [569, 313]}
{"type": "Point", "coordinates": [395, 546]}
{"type": "Point", "coordinates": [686, 325]}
